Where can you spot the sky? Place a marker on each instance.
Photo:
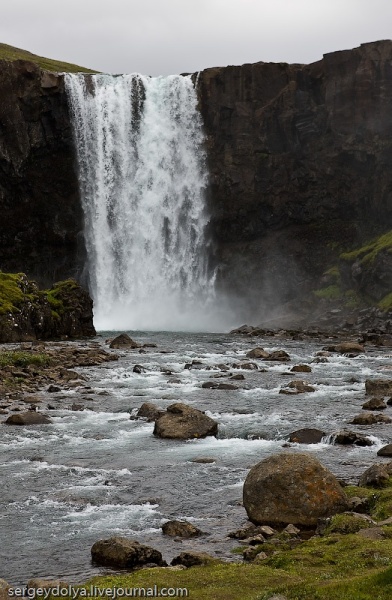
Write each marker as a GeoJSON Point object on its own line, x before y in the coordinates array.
{"type": "Point", "coordinates": [162, 37]}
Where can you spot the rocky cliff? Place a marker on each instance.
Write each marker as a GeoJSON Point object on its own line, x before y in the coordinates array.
{"type": "Point", "coordinates": [300, 159]}
{"type": "Point", "coordinates": [300, 171]}
{"type": "Point", "coordinates": [41, 218]}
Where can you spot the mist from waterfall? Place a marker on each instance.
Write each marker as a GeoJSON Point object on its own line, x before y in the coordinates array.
{"type": "Point", "coordinates": [143, 178]}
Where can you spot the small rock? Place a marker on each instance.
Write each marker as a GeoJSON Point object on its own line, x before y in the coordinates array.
{"type": "Point", "coordinates": [52, 389]}
{"type": "Point", "coordinates": [370, 419]}
{"type": "Point", "coordinates": [291, 530]}
{"type": "Point", "coordinates": [260, 557]}
{"type": "Point", "coordinates": [375, 476]}
{"type": "Point", "coordinates": [381, 387]}
{"type": "Point", "coordinates": [278, 355]}
{"type": "Point", "coordinates": [385, 451]}
{"type": "Point", "coordinates": [297, 387]}
{"type": "Point", "coordinates": [123, 341]}
{"type": "Point", "coordinates": [301, 369]}
{"type": "Point", "coordinates": [214, 385]}
{"type": "Point", "coordinates": [121, 552]}
{"type": "Point", "coordinates": [306, 436]}
{"type": "Point", "coordinates": [204, 460]}
{"type": "Point", "coordinates": [150, 411]}
{"type": "Point", "coordinates": [374, 404]}
{"type": "Point", "coordinates": [180, 529]}
{"type": "Point", "coordinates": [257, 353]}
{"type": "Point", "coordinates": [346, 437]}
{"type": "Point", "coordinates": [28, 418]}
{"type": "Point", "coordinates": [138, 369]}
{"type": "Point", "coordinates": [372, 533]}
{"type": "Point", "coordinates": [191, 559]}
{"type": "Point", "coordinates": [238, 377]}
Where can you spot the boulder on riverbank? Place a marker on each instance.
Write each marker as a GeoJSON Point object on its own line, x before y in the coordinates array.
{"type": "Point", "coordinates": [292, 488]}
{"type": "Point", "coordinates": [27, 313]}
{"type": "Point", "coordinates": [121, 552]}
{"type": "Point", "coordinates": [182, 422]}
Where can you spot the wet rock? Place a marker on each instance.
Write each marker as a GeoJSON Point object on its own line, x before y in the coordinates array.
{"type": "Point", "coordinates": [77, 407]}
{"type": "Point", "coordinates": [378, 387]}
{"type": "Point", "coordinates": [123, 341]}
{"type": "Point", "coordinates": [181, 529]}
{"type": "Point", "coordinates": [374, 404]}
{"type": "Point", "coordinates": [278, 355]}
{"type": "Point", "coordinates": [292, 488]}
{"type": "Point", "coordinates": [238, 377]}
{"type": "Point", "coordinates": [307, 436]}
{"type": "Point", "coordinates": [385, 451]}
{"type": "Point", "coordinates": [301, 369]}
{"type": "Point", "coordinates": [195, 364]}
{"type": "Point", "coordinates": [249, 366]}
{"type": "Point", "coordinates": [138, 369]}
{"type": "Point", "coordinates": [214, 385]}
{"type": "Point", "coordinates": [375, 476]}
{"type": "Point", "coordinates": [297, 387]}
{"type": "Point", "coordinates": [370, 419]}
{"type": "Point", "coordinates": [346, 437]}
{"type": "Point", "coordinates": [204, 460]}
{"type": "Point", "coordinates": [257, 353]}
{"type": "Point", "coordinates": [184, 422]}
{"type": "Point", "coordinates": [192, 559]}
{"type": "Point", "coordinates": [53, 389]}
{"type": "Point", "coordinates": [320, 359]}
{"type": "Point", "coordinates": [150, 411]}
{"type": "Point", "coordinates": [121, 552]}
{"type": "Point", "coordinates": [351, 348]}
{"type": "Point", "coordinates": [28, 418]}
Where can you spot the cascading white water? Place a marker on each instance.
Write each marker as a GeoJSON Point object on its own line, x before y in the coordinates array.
{"type": "Point", "coordinates": [142, 182]}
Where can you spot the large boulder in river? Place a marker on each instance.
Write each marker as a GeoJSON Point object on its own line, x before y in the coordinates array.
{"type": "Point", "coordinates": [367, 418]}
{"type": "Point", "coordinates": [121, 552]}
{"type": "Point", "coordinates": [182, 422]}
{"type": "Point", "coordinates": [30, 417]}
{"type": "Point", "coordinates": [292, 488]}
{"type": "Point", "coordinates": [123, 341]}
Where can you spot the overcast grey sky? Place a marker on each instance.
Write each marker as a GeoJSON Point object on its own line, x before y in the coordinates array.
{"type": "Point", "coordinates": [158, 37]}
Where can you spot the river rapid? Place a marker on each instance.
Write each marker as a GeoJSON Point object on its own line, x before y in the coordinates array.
{"type": "Point", "coordinates": [97, 473]}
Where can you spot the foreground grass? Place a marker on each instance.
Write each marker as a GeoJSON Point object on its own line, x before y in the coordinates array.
{"type": "Point", "coordinates": [18, 358]}
{"type": "Point", "coordinates": [10, 53]}
{"type": "Point", "coordinates": [340, 565]}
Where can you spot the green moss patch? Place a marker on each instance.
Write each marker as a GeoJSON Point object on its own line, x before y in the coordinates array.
{"type": "Point", "coordinates": [11, 54]}
{"type": "Point", "coordinates": [367, 254]}
{"type": "Point", "coordinates": [12, 292]}
{"type": "Point", "coordinates": [17, 358]}
{"type": "Point", "coordinates": [331, 292]}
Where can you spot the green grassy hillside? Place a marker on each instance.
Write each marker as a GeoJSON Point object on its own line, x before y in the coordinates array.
{"type": "Point", "coordinates": [10, 53]}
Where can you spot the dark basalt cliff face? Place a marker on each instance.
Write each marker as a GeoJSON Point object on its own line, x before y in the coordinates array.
{"type": "Point", "coordinates": [300, 161]}
{"type": "Point", "coordinates": [41, 217]}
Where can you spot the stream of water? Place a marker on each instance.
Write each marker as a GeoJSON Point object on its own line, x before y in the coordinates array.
{"type": "Point", "coordinates": [97, 473]}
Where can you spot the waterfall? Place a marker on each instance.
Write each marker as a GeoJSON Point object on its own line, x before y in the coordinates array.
{"type": "Point", "coordinates": [142, 174]}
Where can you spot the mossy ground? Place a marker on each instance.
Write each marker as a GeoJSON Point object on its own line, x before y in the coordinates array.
{"type": "Point", "coordinates": [10, 53]}
{"type": "Point", "coordinates": [335, 566]}
{"type": "Point", "coordinates": [18, 358]}
{"type": "Point", "coordinates": [15, 289]}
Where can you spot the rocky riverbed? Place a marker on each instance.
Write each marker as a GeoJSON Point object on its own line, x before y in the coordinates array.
{"type": "Point", "coordinates": [97, 470]}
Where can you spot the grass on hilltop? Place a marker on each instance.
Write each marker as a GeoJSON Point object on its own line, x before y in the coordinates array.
{"type": "Point", "coordinates": [11, 54]}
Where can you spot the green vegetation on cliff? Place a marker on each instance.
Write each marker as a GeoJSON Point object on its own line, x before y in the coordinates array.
{"type": "Point", "coordinates": [10, 53]}
{"type": "Point", "coordinates": [368, 253]}
{"type": "Point", "coordinates": [12, 292]}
